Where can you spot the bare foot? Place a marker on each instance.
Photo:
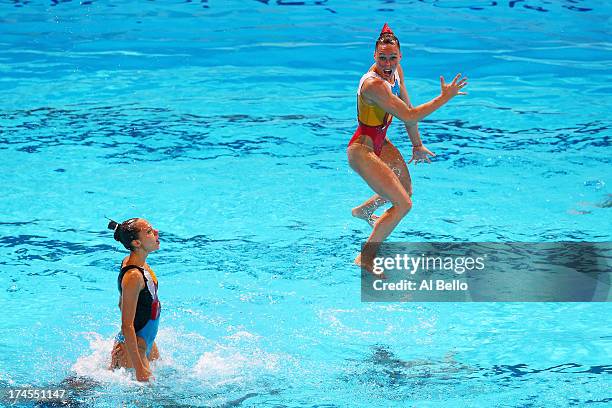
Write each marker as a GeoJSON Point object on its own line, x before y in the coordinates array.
{"type": "Point", "coordinates": [364, 214]}
{"type": "Point", "coordinates": [368, 266]}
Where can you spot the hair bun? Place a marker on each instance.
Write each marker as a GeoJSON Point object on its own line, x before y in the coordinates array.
{"type": "Point", "coordinates": [113, 225]}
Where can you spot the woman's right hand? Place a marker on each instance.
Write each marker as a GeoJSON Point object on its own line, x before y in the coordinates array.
{"type": "Point", "coordinates": [448, 91]}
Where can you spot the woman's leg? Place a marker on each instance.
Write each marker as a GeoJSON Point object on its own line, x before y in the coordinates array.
{"type": "Point", "coordinates": [120, 358]}
{"type": "Point", "coordinates": [154, 354]}
{"type": "Point", "coordinates": [387, 185]}
{"type": "Point", "coordinates": [395, 161]}
{"type": "Point", "coordinates": [392, 157]}
{"type": "Point", "coordinates": [366, 210]}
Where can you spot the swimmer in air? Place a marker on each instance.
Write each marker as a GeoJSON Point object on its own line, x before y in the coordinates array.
{"type": "Point", "coordinates": [382, 95]}
{"type": "Point", "coordinates": [140, 308]}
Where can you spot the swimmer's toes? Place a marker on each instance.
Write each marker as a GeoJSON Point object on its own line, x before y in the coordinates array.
{"type": "Point", "coordinates": [357, 260]}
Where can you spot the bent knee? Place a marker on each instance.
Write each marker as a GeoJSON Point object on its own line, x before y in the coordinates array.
{"type": "Point", "coordinates": [403, 205]}
{"type": "Point", "coordinates": [408, 188]}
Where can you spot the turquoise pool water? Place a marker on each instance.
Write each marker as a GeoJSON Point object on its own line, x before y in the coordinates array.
{"type": "Point", "coordinates": [225, 125]}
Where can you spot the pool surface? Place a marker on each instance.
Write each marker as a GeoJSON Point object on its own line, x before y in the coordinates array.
{"type": "Point", "coordinates": [225, 125]}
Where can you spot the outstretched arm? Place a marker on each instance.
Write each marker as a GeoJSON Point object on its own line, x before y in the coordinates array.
{"type": "Point", "coordinates": [377, 92]}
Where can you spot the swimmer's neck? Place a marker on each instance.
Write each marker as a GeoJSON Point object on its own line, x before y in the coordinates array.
{"type": "Point", "coordinates": [138, 258]}
{"type": "Point", "coordinates": [389, 80]}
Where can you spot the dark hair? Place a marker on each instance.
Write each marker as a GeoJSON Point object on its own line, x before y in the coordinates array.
{"type": "Point", "coordinates": [387, 38]}
{"type": "Point", "coordinates": [125, 232]}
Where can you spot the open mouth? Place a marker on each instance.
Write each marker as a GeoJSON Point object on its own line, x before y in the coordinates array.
{"type": "Point", "coordinates": [387, 71]}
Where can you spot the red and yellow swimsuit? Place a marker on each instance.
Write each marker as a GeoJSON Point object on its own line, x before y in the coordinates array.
{"type": "Point", "coordinates": [373, 120]}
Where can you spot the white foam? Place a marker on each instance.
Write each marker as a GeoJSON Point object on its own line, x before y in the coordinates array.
{"type": "Point", "coordinates": [6, 377]}
{"type": "Point", "coordinates": [240, 335]}
{"type": "Point", "coordinates": [237, 361]}
{"type": "Point", "coordinates": [228, 365]}
{"type": "Point", "coordinates": [95, 362]}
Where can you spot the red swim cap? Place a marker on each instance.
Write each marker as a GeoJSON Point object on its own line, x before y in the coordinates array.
{"type": "Point", "coordinates": [386, 29]}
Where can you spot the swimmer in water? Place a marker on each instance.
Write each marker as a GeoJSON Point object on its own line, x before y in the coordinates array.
{"type": "Point", "coordinates": [140, 308]}
{"type": "Point", "coordinates": [380, 96]}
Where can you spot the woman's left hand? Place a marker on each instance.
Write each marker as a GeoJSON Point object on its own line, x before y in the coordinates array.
{"type": "Point", "coordinates": [419, 155]}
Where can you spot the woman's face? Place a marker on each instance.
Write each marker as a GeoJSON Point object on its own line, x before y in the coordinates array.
{"type": "Point", "coordinates": [147, 236]}
{"type": "Point", "coordinates": [387, 57]}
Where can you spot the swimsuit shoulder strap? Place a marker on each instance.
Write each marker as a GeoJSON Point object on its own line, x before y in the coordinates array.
{"type": "Point", "coordinates": [395, 88]}
{"type": "Point", "coordinates": [127, 268]}
{"type": "Point", "coordinates": [372, 74]}
{"type": "Point", "coordinates": [367, 75]}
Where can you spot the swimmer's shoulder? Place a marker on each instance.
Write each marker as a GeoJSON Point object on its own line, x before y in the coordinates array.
{"type": "Point", "coordinates": [373, 79]}
{"type": "Point", "coordinates": [131, 276]}
{"type": "Point", "coordinates": [372, 86]}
